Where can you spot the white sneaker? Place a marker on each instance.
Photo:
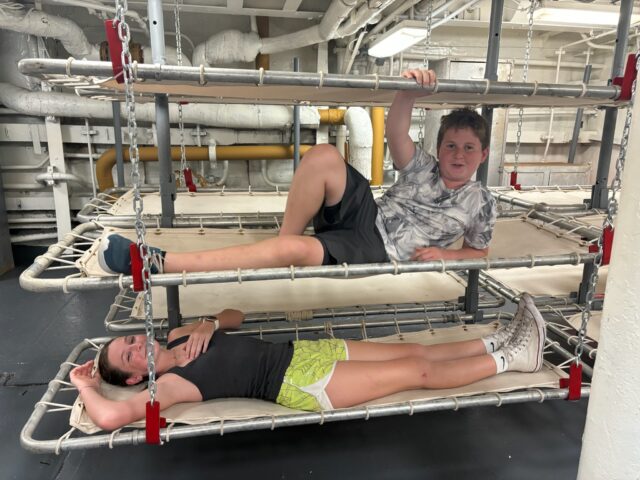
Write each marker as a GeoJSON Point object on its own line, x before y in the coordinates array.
{"type": "Point", "coordinates": [502, 336]}
{"type": "Point", "coordinates": [524, 351]}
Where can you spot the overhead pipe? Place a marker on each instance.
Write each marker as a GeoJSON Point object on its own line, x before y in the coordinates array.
{"type": "Point", "coordinates": [341, 19]}
{"type": "Point", "coordinates": [107, 160]}
{"type": "Point", "coordinates": [227, 116]}
{"type": "Point", "coordinates": [37, 22]}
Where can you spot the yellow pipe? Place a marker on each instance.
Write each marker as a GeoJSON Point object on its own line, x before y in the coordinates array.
{"type": "Point", "coordinates": [332, 116]}
{"type": "Point", "coordinates": [377, 150]}
{"type": "Point", "coordinates": [104, 165]}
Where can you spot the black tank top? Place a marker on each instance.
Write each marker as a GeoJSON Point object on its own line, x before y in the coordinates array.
{"type": "Point", "coordinates": [237, 366]}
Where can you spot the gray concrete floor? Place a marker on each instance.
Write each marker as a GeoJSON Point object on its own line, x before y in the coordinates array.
{"type": "Point", "coordinates": [526, 441]}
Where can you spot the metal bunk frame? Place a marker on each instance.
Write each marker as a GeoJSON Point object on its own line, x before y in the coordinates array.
{"type": "Point", "coordinates": [521, 93]}
{"type": "Point", "coordinates": [607, 95]}
{"type": "Point", "coordinates": [118, 318]}
{"type": "Point", "coordinates": [66, 442]}
{"type": "Point", "coordinates": [502, 197]}
{"type": "Point", "coordinates": [31, 278]}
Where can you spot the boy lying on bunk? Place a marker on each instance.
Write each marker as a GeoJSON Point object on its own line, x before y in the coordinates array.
{"type": "Point", "coordinates": [307, 374]}
{"type": "Point", "coordinates": [432, 205]}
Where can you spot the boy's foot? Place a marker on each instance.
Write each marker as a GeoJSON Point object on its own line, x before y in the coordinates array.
{"type": "Point", "coordinates": [502, 336]}
{"type": "Point", "coordinates": [524, 351]}
{"type": "Point", "coordinates": [114, 256]}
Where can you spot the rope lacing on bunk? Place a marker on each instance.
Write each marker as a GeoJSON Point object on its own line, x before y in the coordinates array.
{"type": "Point", "coordinates": [525, 74]}
{"type": "Point", "coordinates": [134, 156]}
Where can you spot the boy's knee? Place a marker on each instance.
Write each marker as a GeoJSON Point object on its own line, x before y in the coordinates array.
{"type": "Point", "coordinates": [323, 154]}
{"type": "Point", "coordinates": [295, 250]}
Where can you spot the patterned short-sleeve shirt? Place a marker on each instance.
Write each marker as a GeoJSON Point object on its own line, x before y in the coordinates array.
{"type": "Point", "coordinates": [420, 211]}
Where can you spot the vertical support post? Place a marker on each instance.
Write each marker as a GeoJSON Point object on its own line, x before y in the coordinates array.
{"type": "Point", "coordinates": [490, 73]}
{"type": "Point", "coordinates": [56, 165]}
{"type": "Point", "coordinates": [296, 124]}
{"type": "Point", "coordinates": [117, 132]}
{"type": "Point", "coordinates": [613, 414]}
{"type": "Point", "coordinates": [576, 127]}
{"type": "Point", "coordinates": [600, 191]}
{"type": "Point", "coordinates": [167, 181]}
{"type": "Point", "coordinates": [6, 255]}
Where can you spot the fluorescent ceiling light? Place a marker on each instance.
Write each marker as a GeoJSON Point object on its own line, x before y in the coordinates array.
{"type": "Point", "coordinates": [404, 35]}
{"type": "Point", "coordinates": [578, 16]}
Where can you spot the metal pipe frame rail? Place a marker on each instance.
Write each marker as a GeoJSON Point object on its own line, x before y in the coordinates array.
{"type": "Point", "coordinates": [201, 75]}
{"type": "Point", "coordinates": [118, 317]}
{"type": "Point", "coordinates": [97, 210]}
{"type": "Point", "coordinates": [31, 280]}
{"type": "Point", "coordinates": [537, 206]}
{"type": "Point", "coordinates": [137, 436]}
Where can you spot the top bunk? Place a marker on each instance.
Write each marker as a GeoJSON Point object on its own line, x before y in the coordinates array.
{"type": "Point", "coordinates": [245, 86]}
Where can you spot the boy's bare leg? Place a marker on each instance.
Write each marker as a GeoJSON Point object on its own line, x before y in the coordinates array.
{"type": "Point", "coordinates": [279, 251]}
{"type": "Point", "coordinates": [373, 351]}
{"type": "Point", "coordinates": [355, 382]}
{"type": "Point", "coordinates": [321, 178]}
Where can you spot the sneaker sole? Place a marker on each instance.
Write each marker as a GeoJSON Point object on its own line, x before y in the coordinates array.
{"type": "Point", "coordinates": [104, 245]}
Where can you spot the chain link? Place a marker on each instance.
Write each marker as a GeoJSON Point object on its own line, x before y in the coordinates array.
{"type": "Point", "coordinates": [134, 157]}
{"type": "Point", "coordinates": [422, 117]}
{"type": "Point", "coordinates": [525, 74]}
{"type": "Point", "coordinates": [612, 210]}
{"type": "Point", "coordinates": [183, 155]}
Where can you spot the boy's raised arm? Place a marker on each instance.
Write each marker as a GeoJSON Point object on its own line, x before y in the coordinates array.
{"type": "Point", "coordinates": [398, 124]}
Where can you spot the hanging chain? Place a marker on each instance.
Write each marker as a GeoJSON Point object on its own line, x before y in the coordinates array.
{"type": "Point", "coordinates": [134, 157]}
{"type": "Point", "coordinates": [422, 117]}
{"type": "Point", "coordinates": [525, 74]}
{"type": "Point", "coordinates": [612, 210]}
{"type": "Point", "coordinates": [183, 155]}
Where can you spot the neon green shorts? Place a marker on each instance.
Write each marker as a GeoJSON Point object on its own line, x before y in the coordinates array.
{"type": "Point", "coordinates": [309, 372]}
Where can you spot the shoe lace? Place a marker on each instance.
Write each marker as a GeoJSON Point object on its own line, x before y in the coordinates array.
{"type": "Point", "coordinates": [522, 340]}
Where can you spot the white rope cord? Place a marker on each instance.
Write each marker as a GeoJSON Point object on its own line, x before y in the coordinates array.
{"type": "Point", "coordinates": [113, 436]}
{"type": "Point", "coordinates": [62, 439]}
{"type": "Point", "coordinates": [58, 407]}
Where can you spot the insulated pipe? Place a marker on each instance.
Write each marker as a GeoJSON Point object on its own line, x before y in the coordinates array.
{"type": "Point", "coordinates": [107, 160]}
{"type": "Point", "coordinates": [377, 150]}
{"type": "Point", "coordinates": [36, 22]}
{"type": "Point", "coordinates": [360, 139]}
{"type": "Point", "coordinates": [226, 116]}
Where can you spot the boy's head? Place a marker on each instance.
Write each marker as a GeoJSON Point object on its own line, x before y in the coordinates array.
{"type": "Point", "coordinates": [465, 118]}
{"type": "Point", "coordinates": [463, 144]}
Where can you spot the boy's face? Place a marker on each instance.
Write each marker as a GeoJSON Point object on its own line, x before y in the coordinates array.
{"type": "Point", "coordinates": [460, 154]}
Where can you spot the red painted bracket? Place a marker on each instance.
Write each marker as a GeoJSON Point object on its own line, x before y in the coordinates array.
{"type": "Point", "coordinates": [574, 382]}
{"type": "Point", "coordinates": [513, 180]}
{"type": "Point", "coordinates": [136, 267]}
{"type": "Point", "coordinates": [626, 81]}
{"type": "Point", "coordinates": [115, 49]}
{"type": "Point", "coordinates": [607, 245]}
{"type": "Point", "coordinates": [188, 180]}
{"type": "Point", "coordinates": [154, 422]}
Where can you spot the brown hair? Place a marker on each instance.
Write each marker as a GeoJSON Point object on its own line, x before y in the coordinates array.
{"type": "Point", "coordinates": [108, 372]}
{"type": "Point", "coordinates": [465, 118]}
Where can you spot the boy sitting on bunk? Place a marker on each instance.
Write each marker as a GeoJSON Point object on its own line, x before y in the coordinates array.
{"type": "Point", "coordinates": [432, 205]}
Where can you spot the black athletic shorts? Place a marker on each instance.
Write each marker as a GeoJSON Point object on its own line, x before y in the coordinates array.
{"type": "Point", "coordinates": [347, 230]}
